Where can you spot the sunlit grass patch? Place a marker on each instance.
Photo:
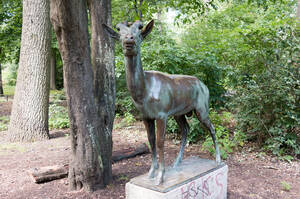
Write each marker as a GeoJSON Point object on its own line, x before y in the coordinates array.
{"type": "Point", "coordinates": [11, 147]}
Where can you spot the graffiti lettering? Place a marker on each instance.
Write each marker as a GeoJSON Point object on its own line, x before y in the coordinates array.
{"type": "Point", "coordinates": [208, 187]}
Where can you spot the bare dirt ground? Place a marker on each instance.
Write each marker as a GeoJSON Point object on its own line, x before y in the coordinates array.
{"type": "Point", "coordinates": [251, 174]}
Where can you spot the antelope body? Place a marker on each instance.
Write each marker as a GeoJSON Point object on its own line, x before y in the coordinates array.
{"type": "Point", "coordinates": [158, 95]}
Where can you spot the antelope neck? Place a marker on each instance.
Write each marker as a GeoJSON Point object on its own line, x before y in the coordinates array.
{"type": "Point", "coordinates": [135, 77]}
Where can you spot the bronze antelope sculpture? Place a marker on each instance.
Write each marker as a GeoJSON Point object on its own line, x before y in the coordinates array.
{"type": "Point", "coordinates": [158, 95]}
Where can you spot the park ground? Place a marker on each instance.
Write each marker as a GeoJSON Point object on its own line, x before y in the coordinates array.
{"type": "Point", "coordinates": [252, 174]}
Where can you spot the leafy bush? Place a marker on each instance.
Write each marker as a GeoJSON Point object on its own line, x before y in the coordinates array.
{"type": "Point", "coordinates": [227, 141]}
{"type": "Point", "coordinates": [57, 96]}
{"type": "Point", "coordinates": [268, 103]}
{"type": "Point", "coordinates": [58, 117]}
{"type": "Point", "coordinates": [10, 75]}
{"type": "Point", "coordinates": [4, 121]}
{"type": "Point", "coordinates": [260, 49]}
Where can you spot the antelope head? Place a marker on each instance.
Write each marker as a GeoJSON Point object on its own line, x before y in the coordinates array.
{"type": "Point", "coordinates": [131, 35]}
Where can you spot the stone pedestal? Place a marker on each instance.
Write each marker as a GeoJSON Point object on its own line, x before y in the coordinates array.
{"type": "Point", "coordinates": [195, 178]}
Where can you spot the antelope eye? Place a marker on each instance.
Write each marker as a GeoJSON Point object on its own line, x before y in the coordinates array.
{"type": "Point", "coordinates": [118, 28]}
{"type": "Point", "coordinates": [141, 26]}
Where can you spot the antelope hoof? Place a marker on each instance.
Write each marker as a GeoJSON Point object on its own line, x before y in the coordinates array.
{"type": "Point", "coordinates": [151, 172]}
{"type": "Point", "coordinates": [218, 160]}
{"type": "Point", "coordinates": [159, 178]}
{"type": "Point", "coordinates": [176, 164]}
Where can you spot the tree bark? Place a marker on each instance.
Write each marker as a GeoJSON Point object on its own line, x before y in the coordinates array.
{"type": "Point", "coordinates": [53, 70]}
{"type": "Point", "coordinates": [102, 48]}
{"type": "Point", "coordinates": [1, 85]}
{"type": "Point", "coordinates": [29, 118]}
{"type": "Point", "coordinates": [88, 134]}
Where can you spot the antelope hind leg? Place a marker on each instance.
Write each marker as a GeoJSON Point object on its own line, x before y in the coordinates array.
{"type": "Point", "coordinates": [184, 129]}
{"type": "Point", "coordinates": [206, 122]}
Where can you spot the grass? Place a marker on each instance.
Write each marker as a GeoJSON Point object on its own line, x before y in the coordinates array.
{"type": "Point", "coordinates": [11, 147]}
{"type": "Point", "coordinates": [285, 186]}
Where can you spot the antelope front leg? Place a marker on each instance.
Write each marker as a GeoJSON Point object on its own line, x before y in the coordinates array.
{"type": "Point", "coordinates": [161, 128]}
{"type": "Point", "coordinates": [150, 127]}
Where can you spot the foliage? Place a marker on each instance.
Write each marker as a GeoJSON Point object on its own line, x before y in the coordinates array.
{"type": "Point", "coordinates": [57, 96]}
{"type": "Point", "coordinates": [58, 114]}
{"type": "Point", "coordinates": [9, 90]}
{"type": "Point", "coordinates": [268, 103]}
{"type": "Point", "coordinates": [4, 121]}
{"type": "Point", "coordinates": [259, 48]}
{"type": "Point", "coordinates": [227, 140]}
{"type": "Point", "coordinates": [228, 35]}
{"type": "Point", "coordinates": [58, 117]}
{"type": "Point", "coordinates": [10, 29]}
{"type": "Point", "coordinates": [132, 10]}
{"type": "Point", "coordinates": [10, 75]}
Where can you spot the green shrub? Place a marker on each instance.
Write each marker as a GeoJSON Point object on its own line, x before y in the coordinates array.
{"type": "Point", "coordinates": [10, 75]}
{"type": "Point", "coordinates": [58, 117]}
{"type": "Point", "coordinates": [267, 105]}
{"type": "Point", "coordinates": [227, 141]}
{"type": "Point", "coordinates": [4, 121]}
{"type": "Point", "coordinates": [8, 90]}
{"type": "Point", "coordinates": [57, 96]}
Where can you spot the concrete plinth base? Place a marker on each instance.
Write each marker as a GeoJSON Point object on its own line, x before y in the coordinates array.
{"type": "Point", "coordinates": [195, 178]}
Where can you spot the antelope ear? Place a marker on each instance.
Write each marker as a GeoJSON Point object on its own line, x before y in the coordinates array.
{"type": "Point", "coordinates": [147, 30]}
{"type": "Point", "coordinates": [110, 32]}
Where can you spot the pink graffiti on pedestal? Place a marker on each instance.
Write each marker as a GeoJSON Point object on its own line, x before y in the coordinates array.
{"type": "Point", "coordinates": [209, 186]}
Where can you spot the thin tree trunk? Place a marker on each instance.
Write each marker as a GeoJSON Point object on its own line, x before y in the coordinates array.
{"type": "Point", "coordinates": [29, 118]}
{"type": "Point", "coordinates": [140, 10]}
{"type": "Point", "coordinates": [298, 10]}
{"type": "Point", "coordinates": [1, 86]}
{"type": "Point", "coordinates": [53, 70]}
{"type": "Point", "coordinates": [159, 20]}
{"type": "Point", "coordinates": [104, 75]}
{"type": "Point", "coordinates": [70, 22]}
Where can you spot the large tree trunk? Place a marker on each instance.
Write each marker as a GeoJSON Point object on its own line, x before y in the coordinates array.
{"type": "Point", "coordinates": [88, 134]}
{"type": "Point", "coordinates": [29, 118]}
{"type": "Point", "coordinates": [104, 75]}
{"type": "Point", "coordinates": [1, 86]}
{"type": "Point", "coordinates": [53, 70]}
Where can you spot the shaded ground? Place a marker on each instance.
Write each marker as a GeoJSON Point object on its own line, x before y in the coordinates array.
{"type": "Point", "coordinates": [251, 175]}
